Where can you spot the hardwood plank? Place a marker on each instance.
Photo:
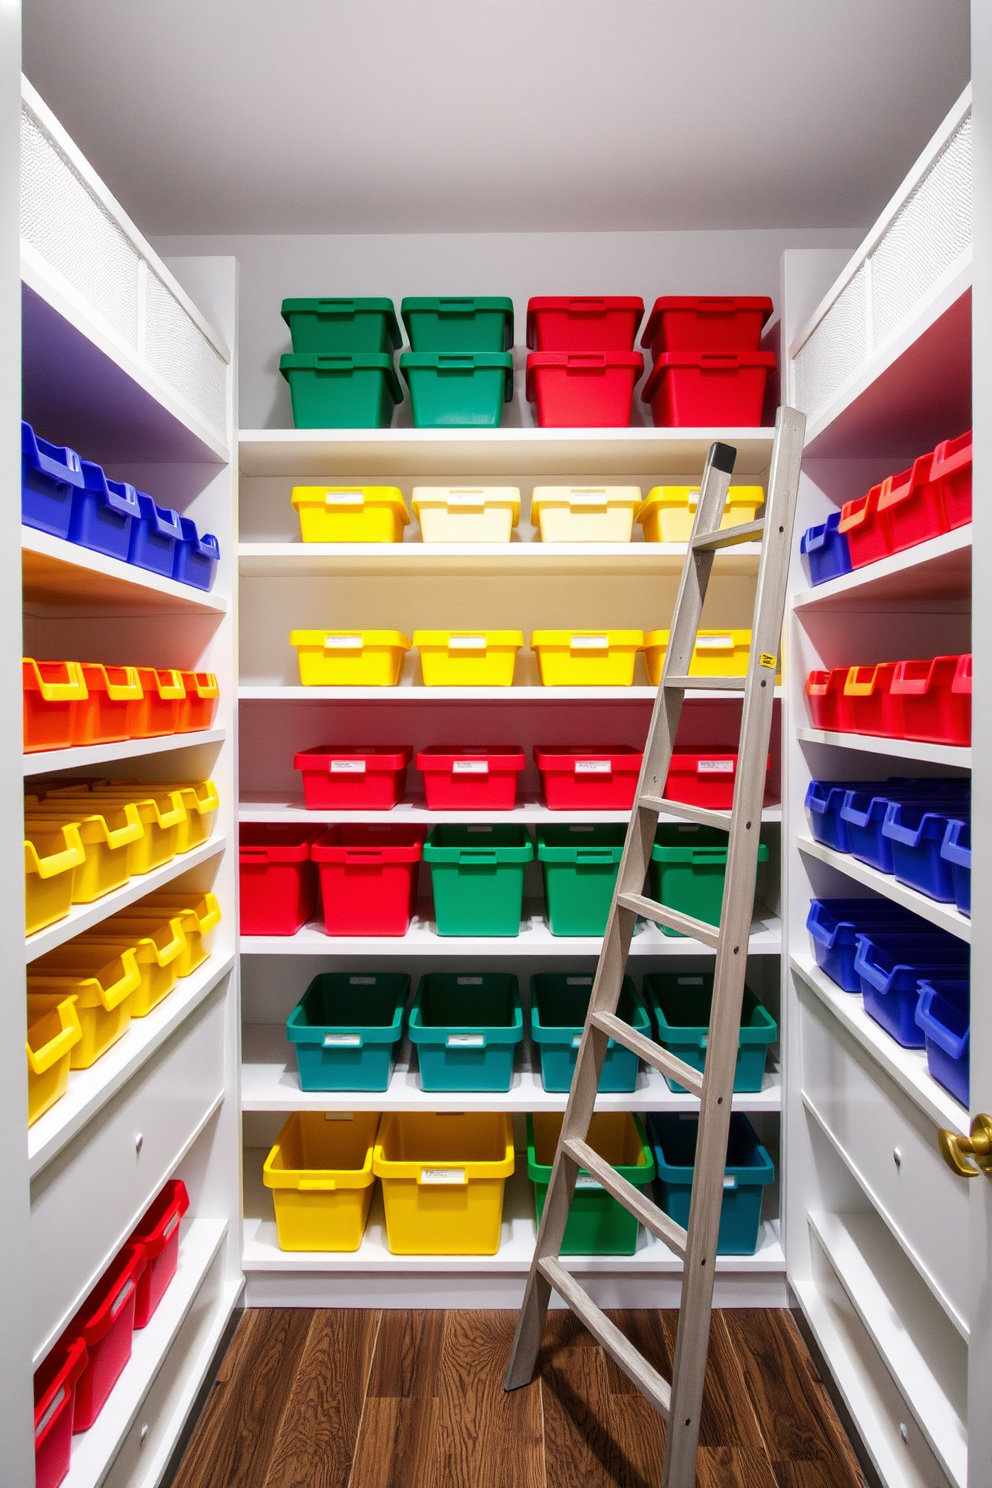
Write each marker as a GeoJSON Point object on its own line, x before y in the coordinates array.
{"type": "Point", "coordinates": [397, 1444]}
{"type": "Point", "coordinates": [734, 1467]}
{"type": "Point", "coordinates": [579, 1450]}
{"type": "Point", "coordinates": [487, 1438]}
{"type": "Point", "coordinates": [407, 1355]}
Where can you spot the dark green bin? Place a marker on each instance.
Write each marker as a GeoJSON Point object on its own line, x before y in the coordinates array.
{"type": "Point", "coordinates": [688, 868]}
{"type": "Point", "coordinates": [335, 390]}
{"type": "Point", "coordinates": [458, 323]}
{"type": "Point", "coordinates": [338, 324]}
{"type": "Point", "coordinates": [680, 1001]}
{"type": "Point", "coordinates": [597, 1223]}
{"type": "Point", "coordinates": [458, 389]}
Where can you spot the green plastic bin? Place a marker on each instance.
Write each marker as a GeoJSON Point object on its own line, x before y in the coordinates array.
{"type": "Point", "coordinates": [466, 1027]}
{"type": "Point", "coordinates": [477, 874]}
{"type": "Point", "coordinates": [345, 1029]}
{"type": "Point", "coordinates": [458, 323]}
{"type": "Point", "coordinates": [597, 1223]}
{"type": "Point", "coordinates": [335, 324]}
{"type": "Point", "coordinates": [681, 1003]}
{"type": "Point", "coordinates": [688, 867]}
{"type": "Point", "coordinates": [335, 390]}
{"type": "Point", "coordinates": [458, 389]}
{"type": "Point", "coordinates": [580, 865]}
{"type": "Point", "coordinates": [558, 1005]}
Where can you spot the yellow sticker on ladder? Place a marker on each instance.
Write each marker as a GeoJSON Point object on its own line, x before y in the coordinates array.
{"type": "Point", "coordinates": [767, 660]}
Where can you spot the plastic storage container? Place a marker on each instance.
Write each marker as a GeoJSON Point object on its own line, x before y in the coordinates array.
{"type": "Point", "coordinates": [584, 513]}
{"type": "Point", "coordinates": [598, 1224]}
{"type": "Point", "coordinates": [703, 777]}
{"type": "Point", "coordinates": [583, 322]}
{"type": "Point", "coordinates": [54, 691]}
{"type": "Point", "coordinates": [52, 855]}
{"type": "Point", "coordinates": [458, 389]}
{"type": "Point", "coordinates": [720, 323]}
{"type": "Point", "coordinates": [368, 878]}
{"type": "Point", "coordinates": [277, 880]}
{"type": "Point", "coordinates": [835, 924]}
{"type": "Point", "coordinates": [910, 509]}
{"type": "Point", "coordinates": [582, 389]}
{"type": "Point", "coordinates": [154, 536]}
{"type": "Point", "coordinates": [53, 1033]}
{"type": "Point", "coordinates": [477, 874]}
{"type": "Point", "coordinates": [863, 529]}
{"type": "Point", "coordinates": [868, 706]}
{"type": "Point", "coordinates": [341, 390]}
{"type": "Point", "coordinates": [951, 469]}
{"type": "Point", "coordinates": [198, 916]}
{"type": "Point", "coordinates": [716, 653]}
{"type": "Point", "coordinates": [468, 658]}
{"type": "Point", "coordinates": [112, 692]}
{"type": "Point", "coordinates": [466, 514]}
{"type": "Point", "coordinates": [369, 778]}
{"type": "Point", "coordinates": [197, 557]}
{"type": "Point", "coordinates": [688, 867]}
{"type": "Point", "coordinates": [320, 1174]}
{"type": "Point", "coordinates": [826, 551]}
{"type": "Point", "coordinates": [863, 810]}
{"type": "Point", "coordinates": [160, 707]}
{"type": "Point", "coordinates": [824, 801]}
{"type": "Point", "coordinates": [580, 865]}
{"type": "Point", "coordinates": [466, 1028]}
{"type": "Point", "coordinates": [332, 323]}
{"type": "Point", "coordinates": [345, 1029]}
{"type": "Point", "coordinates": [443, 1176]}
{"type": "Point", "coordinates": [350, 658]}
{"type": "Point", "coordinates": [158, 950]}
{"type": "Point", "coordinates": [105, 1323]}
{"type": "Point", "coordinates": [350, 514]}
{"type": "Point", "coordinates": [693, 389]}
{"type": "Point", "coordinates": [50, 475]}
{"type": "Point", "coordinates": [668, 512]}
{"type": "Point", "coordinates": [681, 1003]}
{"type": "Point", "coordinates": [103, 981]}
{"type": "Point", "coordinates": [943, 1012]}
{"type": "Point", "coordinates": [825, 698]}
{"type": "Point", "coordinates": [892, 964]}
{"type": "Point", "coordinates": [102, 514]}
{"type": "Point", "coordinates": [55, 1382]}
{"type": "Point", "coordinates": [471, 777]}
{"type": "Point", "coordinates": [749, 1168]}
{"type": "Point", "coordinates": [956, 850]}
{"type": "Point", "coordinates": [200, 703]}
{"type": "Point", "coordinates": [458, 323]}
{"type": "Point", "coordinates": [107, 832]}
{"type": "Point", "coordinates": [587, 658]}
{"type": "Point", "coordinates": [594, 779]}
{"type": "Point", "coordinates": [935, 699]}
{"type": "Point", "coordinates": [916, 833]}
{"type": "Point", "coordinates": [158, 1235]}
{"type": "Point", "coordinates": [559, 1002]}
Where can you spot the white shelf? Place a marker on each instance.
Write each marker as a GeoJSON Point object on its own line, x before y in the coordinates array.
{"type": "Point", "coordinates": [85, 916]}
{"type": "Point", "coordinates": [63, 578]}
{"type": "Point", "coordinates": [256, 806]}
{"type": "Point", "coordinates": [49, 761]}
{"type": "Point", "coordinates": [521, 559]}
{"type": "Point", "coordinates": [938, 569]}
{"type": "Point", "coordinates": [420, 694]}
{"type": "Point", "coordinates": [908, 749]}
{"type": "Point", "coordinates": [944, 915]}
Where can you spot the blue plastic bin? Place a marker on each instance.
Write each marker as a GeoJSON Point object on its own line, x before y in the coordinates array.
{"type": "Point", "coordinates": [944, 1014]}
{"type": "Point", "coordinates": [824, 799]}
{"type": "Point", "coordinates": [197, 556]}
{"type": "Point", "coordinates": [916, 835]}
{"type": "Point", "coordinates": [748, 1169]}
{"type": "Point", "coordinates": [466, 1027]}
{"type": "Point", "coordinates": [835, 924]}
{"type": "Point", "coordinates": [681, 1003]}
{"type": "Point", "coordinates": [558, 1005]}
{"type": "Point", "coordinates": [956, 850]}
{"type": "Point", "coordinates": [50, 475]}
{"type": "Point", "coordinates": [154, 535]}
{"type": "Point", "coordinates": [345, 1029]}
{"type": "Point", "coordinates": [102, 514]}
{"type": "Point", "coordinates": [863, 811]}
{"type": "Point", "coordinates": [891, 965]}
{"type": "Point", "coordinates": [825, 550]}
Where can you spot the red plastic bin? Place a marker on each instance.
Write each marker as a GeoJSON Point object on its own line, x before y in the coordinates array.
{"type": "Point", "coordinates": [704, 777]}
{"type": "Point", "coordinates": [951, 470]}
{"type": "Point", "coordinates": [468, 778]}
{"type": "Point", "coordinates": [597, 778]}
{"type": "Point", "coordinates": [53, 693]}
{"type": "Point", "coordinates": [200, 704]}
{"type": "Point", "coordinates": [583, 389]}
{"type": "Point", "coordinates": [694, 389]}
{"type": "Point", "coordinates": [933, 699]}
{"type": "Point", "coordinates": [867, 706]}
{"type": "Point", "coordinates": [105, 1323]}
{"type": "Point", "coordinates": [278, 882]}
{"type": "Point", "coordinates": [910, 509]}
{"type": "Point", "coordinates": [867, 538]}
{"type": "Point", "coordinates": [55, 1383]}
{"type": "Point", "coordinates": [722, 323]}
{"type": "Point", "coordinates": [825, 699]}
{"type": "Point", "coordinates": [583, 322]}
{"type": "Point", "coordinates": [368, 878]}
{"type": "Point", "coordinates": [371, 778]}
{"type": "Point", "coordinates": [159, 708]}
{"type": "Point", "coordinates": [158, 1235]}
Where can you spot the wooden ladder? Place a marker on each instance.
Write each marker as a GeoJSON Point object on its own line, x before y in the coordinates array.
{"type": "Point", "coordinates": [679, 1402]}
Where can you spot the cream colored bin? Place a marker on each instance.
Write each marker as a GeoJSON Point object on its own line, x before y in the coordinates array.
{"type": "Point", "coordinates": [568, 514]}
{"type": "Point", "coordinates": [469, 514]}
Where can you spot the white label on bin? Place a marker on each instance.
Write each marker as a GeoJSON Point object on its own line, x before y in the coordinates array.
{"type": "Point", "coordinates": [466, 643]}
{"type": "Point", "coordinates": [689, 981]}
{"type": "Point", "coordinates": [480, 829]}
{"type": "Point", "coordinates": [714, 643]}
{"type": "Point", "coordinates": [171, 1226]}
{"type": "Point", "coordinates": [345, 498]}
{"type": "Point", "coordinates": [576, 1040]}
{"type": "Point", "coordinates": [588, 498]}
{"type": "Point", "coordinates": [122, 1297]}
{"type": "Point", "coordinates": [590, 643]}
{"type": "Point", "coordinates": [593, 767]}
{"type": "Point", "coordinates": [692, 498]}
{"type": "Point", "coordinates": [342, 1040]}
{"type": "Point", "coordinates": [347, 767]}
{"type": "Point", "coordinates": [466, 1040]}
{"type": "Point", "coordinates": [466, 498]}
{"type": "Point", "coordinates": [361, 981]}
{"type": "Point", "coordinates": [715, 767]}
{"type": "Point", "coordinates": [578, 981]}
{"type": "Point", "coordinates": [442, 1175]}
{"type": "Point", "coordinates": [470, 767]}
{"type": "Point", "coordinates": [729, 1181]}
{"type": "Point", "coordinates": [59, 1397]}
{"type": "Point", "coordinates": [586, 1180]}
{"type": "Point", "coordinates": [339, 1115]}
{"type": "Point", "coordinates": [469, 982]}
{"type": "Point", "coordinates": [342, 643]}
{"type": "Point", "coordinates": [581, 829]}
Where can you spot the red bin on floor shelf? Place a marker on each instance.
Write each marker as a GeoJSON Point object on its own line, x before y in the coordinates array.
{"type": "Point", "coordinates": [469, 778]}
{"type": "Point", "coordinates": [825, 699]}
{"type": "Point", "coordinates": [704, 777]}
{"type": "Point", "coordinates": [596, 778]}
{"type": "Point", "coordinates": [721, 323]}
{"type": "Point", "coordinates": [695, 389]}
{"type": "Point", "coordinates": [364, 778]}
{"type": "Point", "coordinates": [951, 470]}
{"type": "Point", "coordinates": [583, 390]}
{"type": "Point", "coordinates": [583, 322]}
{"type": "Point", "coordinates": [158, 1235]}
{"type": "Point", "coordinates": [368, 878]}
{"type": "Point", "coordinates": [55, 1382]}
{"type": "Point", "coordinates": [867, 706]}
{"type": "Point", "coordinates": [105, 1323]}
{"type": "Point", "coordinates": [278, 882]}
{"type": "Point", "coordinates": [933, 699]}
{"type": "Point", "coordinates": [910, 509]}
{"type": "Point", "coordinates": [867, 537]}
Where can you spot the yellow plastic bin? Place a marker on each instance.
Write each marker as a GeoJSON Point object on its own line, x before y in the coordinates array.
{"type": "Point", "coordinates": [350, 514]}
{"type": "Point", "coordinates": [350, 658]}
{"type": "Point", "coordinates": [53, 1033]}
{"type": "Point", "coordinates": [717, 653]}
{"type": "Point", "coordinates": [669, 511]}
{"type": "Point", "coordinates": [52, 854]}
{"type": "Point", "coordinates": [160, 812]}
{"type": "Point", "coordinates": [197, 915]}
{"type": "Point", "coordinates": [569, 514]}
{"type": "Point", "coordinates": [452, 514]}
{"type": "Point", "coordinates": [157, 946]}
{"type": "Point", "coordinates": [103, 985]}
{"type": "Point", "coordinates": [320, 1174]}
{"type": "Point", "coordinates": [108, 832]}
{"type": "Point", "coordinates": [587, 658]}
{"type": "Point", "coordinates": [199, 799]}
{"type": "Point", "coordinates": [443, 1175]}
{"type": "Point", "coordinates": [468, 658]}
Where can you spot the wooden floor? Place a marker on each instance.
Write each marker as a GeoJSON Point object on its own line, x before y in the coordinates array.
{"type": "Point", "coordinates": [362, 1399]}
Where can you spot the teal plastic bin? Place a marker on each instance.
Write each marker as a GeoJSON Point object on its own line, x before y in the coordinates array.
{"type": "Point", "coordinates": [338, 324]}
{"type": "Point", "coordinates": [466, 1027]}
{"type": "Point", "coordinates": [345, 1029]}
{"type": "Point", "coordinates": [748, 1169]}
{"type": "Point", "coordinates": [458, 389]}
{"type": "Point", "coordinates": [458, 323]}
{"type": "Point", "coordinates": [335, 390]}
{"type": "Point", "coordinates": [558, 1005]}
{"type": "Point", "coordinates": [681, 1002]}
{"type": "Point", "coordinates": [688, 867]}
{"type": "Point", "coordinates": [477, 874]}
{"type": "Point", "coordinates": [580, 865]}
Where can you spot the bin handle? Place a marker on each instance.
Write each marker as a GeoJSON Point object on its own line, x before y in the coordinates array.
{"type": "Point", "coordinates": [588, 303]}
{"type": "Point", "coordinates": [477, 856]}
{"type": "Point", "coordinates": [66, 1039]}
{"type": "Point", "coordinates": [319, 1185]}
{"type": "Point", "coordinates": [456, 363]}
{"type": "Point", "coordinates": [594, 360]}
{"type": "Point", "coordinates": [112, 997]}
{"type": "Point", "coordinates": [335, 304]}
{"type": "Point", "coordinates": [363, 855]}
{"type": "Point", "coordinates": [73, 856]}
{"type": "Point", "coordinates": [593, 855]}
{"type": "Point", "coordinates": [332, 360]}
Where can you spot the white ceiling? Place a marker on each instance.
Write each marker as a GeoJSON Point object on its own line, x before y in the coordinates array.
{"type": "Point", "coordinates": [356, 116]}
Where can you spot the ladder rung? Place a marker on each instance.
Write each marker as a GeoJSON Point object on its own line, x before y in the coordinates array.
{"type": "Point", "coordinates": [728, 537]}
{"type": "Point", "coordinates": [720, 819]}
{"type": "Point", "coordinates": [703, 684]}
{"type": "Point", "coordinates": [657, 1221]}
{"type": "Point", "coordinates": [620, 1349]}
{"type": "Point", "coordinates": [652, 1053]}
{"type": "Point", "coordinates": [660, 914]}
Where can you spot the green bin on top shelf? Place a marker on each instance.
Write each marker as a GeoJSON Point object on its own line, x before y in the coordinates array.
{"type": "Point", "coordinates": [340, 324]}
{"type": "Point", "coordinates": [688, 868]}
{"type": "Point", "coordinates": [597, 1223]}
{"type": "Point", "coordinates": [580, 865]}
{"type": "Point", "coordinates": [680, 1001]}
{"type": "Point", "coordinates": [458, 323]}
{"type": "Point", "coordinates": [341, 390]}
{"type": "Point", "coordinates": [477, 873]}
{"type": "Point", "coordinates": [466, 1026]}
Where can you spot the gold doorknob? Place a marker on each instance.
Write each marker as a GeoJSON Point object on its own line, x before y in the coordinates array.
{"type": "Point", "coordinates": [956, 1149]}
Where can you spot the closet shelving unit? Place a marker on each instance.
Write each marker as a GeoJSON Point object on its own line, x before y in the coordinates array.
{"type": "Point", "coordinates": [119, 363]}
{"type": "Point", "coordinates": [877, 1227]}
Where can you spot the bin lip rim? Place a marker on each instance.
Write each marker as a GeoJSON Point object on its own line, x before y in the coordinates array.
{"type": "Point", "coordinates": [695, 302]}
{"type": "Point", "coordinates": [537, 360]}
{"type": "Point", "coordinates": [487, 304]}
{"type": "Point", "coordinates": [669, 361]}
{"type": "Point", "coordinates": [619, 497]}
{"type": "Point", "coordinates": [300, 1032]}
{"type": "Point", "coordinates": [474, 1168]}
{"type": "Point", "coordinates": [381, 753]}
{"type": "Point", "coordinates": [602, 304]}
{"type": "Point", "coordinates": [361, 361]}
{"type": "Point", "coordinates": [642, 1174]}
{"type": "Point", "coordinates": [151, 1237]}
{"type": "Point", "coordinates": [509, 639]}
{"type": "Point", "coordinates": [631, 640]}
{"type": "Point", "coordinates": [442, 756]}
{"type": "Point", "coordinates": [641, 1020]}
{"type": "Point", "coordinates": [482, 361]}
{"type": "Point", "coordinates": [361, 305]}
{"type": "Point", "coordinates": [362, 1177]}
{"type": "Point", "coordinates": [682, 1174]}
{"type": "Point", "coordinates": [69, 1371]}
{"type": "Point", "coordinates": [390, 496]}
{"type": "Point", "coordinates": [334, 850]}
{"type": "Point", "coordinates": [617, 754]}
{"type": "Point", "coordinates": [128, 1264]}
{"type": "Point", "coordinates": [387, 639]}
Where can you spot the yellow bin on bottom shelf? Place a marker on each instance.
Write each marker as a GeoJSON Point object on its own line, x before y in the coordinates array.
{"type": "Point", "coordinates": [443, 1175]}
{"type": "Point", "coordinates": [52, 853]}
{"type": "Point", "coordinates": [587, 658]}
{"type": "Point", "coordinates": [53, 1032]}
{"type": "Point", "coordinates": [350, 658]}
{"type": "Point", "coordinates": [468, 658]}
{"type": "Point", "coordinates": [669, 511]}
{"type": "Point", "coordinates": [320, 1174]}
{"type": "Point", "coordinates": [717, 653]}
{"type": "Point", "coordinates": [350, 514]}
{"type": "Point", "coordinates": [103, 985]}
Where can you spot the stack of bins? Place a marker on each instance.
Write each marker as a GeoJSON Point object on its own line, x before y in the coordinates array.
{"type": "Point", "coordinates": [707, 366]}
{"type": "Point", "coordinates": [460, 364]}
{"type": "Point", "coordinates": [340, 371]}
{"type": "Point", "coordinates": [582, 366]}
